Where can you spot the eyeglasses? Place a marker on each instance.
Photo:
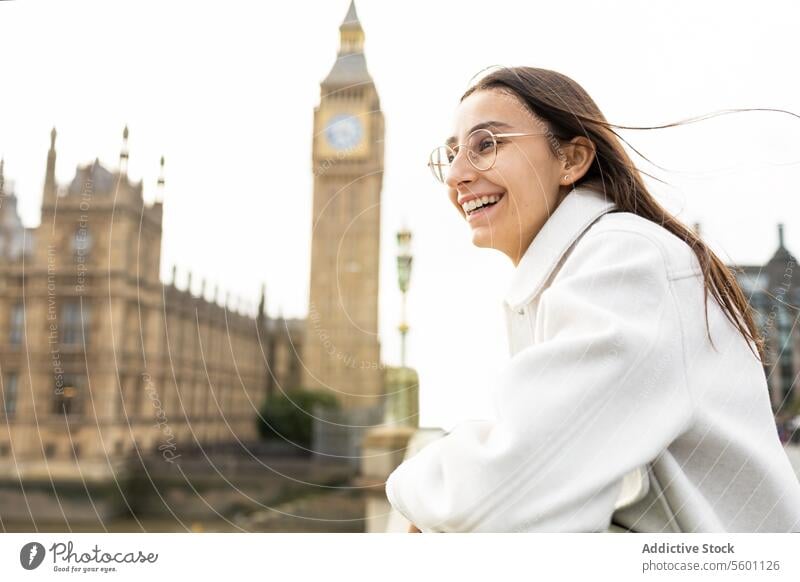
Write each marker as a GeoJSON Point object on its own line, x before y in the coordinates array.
{"type": "Point", "coordinates": [481, 152]}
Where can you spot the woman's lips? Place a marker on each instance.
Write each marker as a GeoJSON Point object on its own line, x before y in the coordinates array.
{"type": "Point", "coordinates": [485, 212]}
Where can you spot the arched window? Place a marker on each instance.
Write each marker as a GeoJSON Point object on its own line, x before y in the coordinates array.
{"type": "Point", "coordinates": [10, 395]}
{"type": "Point", "coordinates": [74, 323]}
{"type": "Point", "coordinates": [17, 324]}
{"type": "Point", "coordinates": [81, 244]}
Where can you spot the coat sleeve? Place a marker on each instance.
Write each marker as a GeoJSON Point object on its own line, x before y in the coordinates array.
{"type": "Point", "coordinates": [601, 391]}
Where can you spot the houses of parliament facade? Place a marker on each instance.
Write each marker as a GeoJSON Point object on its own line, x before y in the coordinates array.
{"type": "Point", "coordinates": [100, 359]}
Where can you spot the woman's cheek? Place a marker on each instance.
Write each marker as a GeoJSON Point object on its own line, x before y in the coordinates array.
{"type": "Point", "coordinates": [512, 208]}
{"type": "Point", "coordinates": [454, 202]}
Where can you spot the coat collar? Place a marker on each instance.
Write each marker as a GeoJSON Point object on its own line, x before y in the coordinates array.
{"type": "Point", "coordinates": [576, 212]}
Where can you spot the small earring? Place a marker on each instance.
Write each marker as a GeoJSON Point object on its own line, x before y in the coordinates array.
{"type": "Point", "coordinates": [566, 177]}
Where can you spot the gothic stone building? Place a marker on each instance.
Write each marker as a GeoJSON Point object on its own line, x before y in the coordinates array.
{"type": "Point", "coordinates": [774, 294]}
{"type": "Point", "coordinates": [100, 360]}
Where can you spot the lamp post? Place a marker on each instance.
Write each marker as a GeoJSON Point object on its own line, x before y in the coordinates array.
{"type": "Point", "coordinates": [404, 260]}
{"type": "Point", "coordinates": [397, 407]}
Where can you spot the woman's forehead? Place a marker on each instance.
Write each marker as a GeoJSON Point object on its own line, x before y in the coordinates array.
{"type": "Point", "coordinates": [490, 105]}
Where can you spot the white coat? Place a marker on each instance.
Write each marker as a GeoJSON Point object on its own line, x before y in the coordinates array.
{"type": "Point", "coordinates": [611, 380]}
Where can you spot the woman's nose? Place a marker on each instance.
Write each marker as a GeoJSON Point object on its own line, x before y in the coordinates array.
{"type": "Point", "coordinates": [460, 170]}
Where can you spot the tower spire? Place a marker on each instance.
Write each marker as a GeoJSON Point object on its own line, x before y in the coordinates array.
{"type": "Point", "coordinates": [160, 190]}
{"type": "Point", "coordinates": [50, 172]}
{"type": "Point", "coordinates": [351, 33]}
{"type": "Point", "coordinates": [351, 18]}
{"type": "Point", "coordinates": [123, 154]}
{"type": "Point", "coordinates": [350, 67]}
{"type": "Point", "coordinates": [262, 304]}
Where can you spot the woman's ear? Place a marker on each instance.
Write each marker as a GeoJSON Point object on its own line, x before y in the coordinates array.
{"type": "Point", "coordinates": [579, 154]}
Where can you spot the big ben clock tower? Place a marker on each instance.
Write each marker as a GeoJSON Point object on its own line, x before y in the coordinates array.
{"type": "Point", "coordinates": [342, 349]}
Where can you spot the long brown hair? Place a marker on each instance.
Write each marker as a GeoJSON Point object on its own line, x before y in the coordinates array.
{"type": "Point", "coordinates": [569, 111]}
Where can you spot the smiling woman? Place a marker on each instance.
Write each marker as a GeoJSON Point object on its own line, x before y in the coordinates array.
{"type": "Point", "coordinates": [621, 370]}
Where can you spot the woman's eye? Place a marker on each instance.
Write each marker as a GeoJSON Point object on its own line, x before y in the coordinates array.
{"type": "Point", "coordinates": [485, 145]}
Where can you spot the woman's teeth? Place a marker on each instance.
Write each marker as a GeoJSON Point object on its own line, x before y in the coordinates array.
{"type": "Point", "coordinates": [480, 202]}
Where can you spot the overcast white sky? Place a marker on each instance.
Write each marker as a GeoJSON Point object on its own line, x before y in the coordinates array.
{"type": "Point", "coordinates": [226, 91]}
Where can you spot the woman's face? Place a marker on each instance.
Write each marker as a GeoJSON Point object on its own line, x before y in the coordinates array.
{"type": "Point", "coordinates": [526, 175]}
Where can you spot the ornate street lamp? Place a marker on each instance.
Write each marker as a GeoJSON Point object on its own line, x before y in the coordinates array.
{"type": "Point", "coordinates": [402, 384]}
{"type": "Point", "coordinates": [404, 260]}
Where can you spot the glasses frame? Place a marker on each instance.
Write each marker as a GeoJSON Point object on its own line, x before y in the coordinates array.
{"type": "Point", "coordinates": [457, 148]}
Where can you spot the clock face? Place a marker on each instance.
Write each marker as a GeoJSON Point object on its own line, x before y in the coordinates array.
{"type": "Point", "coordinates": [344, 131]}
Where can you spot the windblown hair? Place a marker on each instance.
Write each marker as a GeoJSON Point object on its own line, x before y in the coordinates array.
{"type": "Point", "coordinates": [569, 111]}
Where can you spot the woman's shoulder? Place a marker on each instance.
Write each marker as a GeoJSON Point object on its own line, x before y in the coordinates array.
{"type": "Point", "coordinates": [679, 258]}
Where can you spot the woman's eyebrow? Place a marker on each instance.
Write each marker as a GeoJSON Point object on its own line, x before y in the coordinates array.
{"type": "Point", "coordinates": [496, 124]}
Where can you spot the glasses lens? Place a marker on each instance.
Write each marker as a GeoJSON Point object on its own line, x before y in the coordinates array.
{"type": "Point", "coordinates": [440, 161]}
{"type": "Point", "coordinates": [482, 149]}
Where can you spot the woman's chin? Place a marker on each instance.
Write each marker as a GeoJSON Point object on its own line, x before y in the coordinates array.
{"type": "Point", "coordinates": [484, 236]}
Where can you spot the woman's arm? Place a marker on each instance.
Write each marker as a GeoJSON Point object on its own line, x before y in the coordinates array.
{"type": "Point", "coordinates": [601, 392]}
